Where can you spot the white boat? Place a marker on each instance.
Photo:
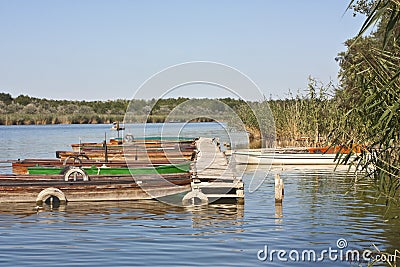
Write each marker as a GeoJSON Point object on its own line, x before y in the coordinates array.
{"type": "Point", "coordinates": [271, 158]}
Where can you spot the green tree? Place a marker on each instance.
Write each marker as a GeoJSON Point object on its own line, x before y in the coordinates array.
{"type": "Point", "coordinates": [6, 98]}
{"type": "Point", "coordinates": [370, 95]}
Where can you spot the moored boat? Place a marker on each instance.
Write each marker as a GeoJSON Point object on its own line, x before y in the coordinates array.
{"type": "Point", "coordinates": [21, 166]}
{"type": "Point", "coordinates": [128, 155]}
{"type": "Point", "coordinates": [63, 188]}
{"type": "Point", "coordinates": [138, 150]}
{"type": "Point", "coordinates": [138, 142]}
{"type": "Point", "coordinates": [105, 170]}
{"type": "Point", "coordinates": [139, 170]}
{"type": "Point", "coordinates": [293, 158]}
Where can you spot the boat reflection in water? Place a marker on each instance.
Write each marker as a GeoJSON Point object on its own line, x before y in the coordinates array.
{"type": "Point", "coordinates": [205, 216]}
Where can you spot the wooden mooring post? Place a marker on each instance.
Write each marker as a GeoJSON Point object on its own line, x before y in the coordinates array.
{"type": "Point", "coordinates": [279, 189]}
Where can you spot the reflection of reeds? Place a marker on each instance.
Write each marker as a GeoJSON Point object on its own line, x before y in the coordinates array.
{"type": "Point", "coordinates": [384, 257]}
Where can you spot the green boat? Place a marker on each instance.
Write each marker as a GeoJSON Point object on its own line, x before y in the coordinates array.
{"type": "Point", "coordinates": [93, 170]}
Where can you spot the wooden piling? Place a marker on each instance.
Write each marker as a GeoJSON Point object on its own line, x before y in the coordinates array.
{"type": "Point", "coordinates": [279, 189]}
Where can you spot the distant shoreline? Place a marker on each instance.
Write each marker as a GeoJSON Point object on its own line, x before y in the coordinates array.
{"type": "Point", "coordinates": [38, 119]}
{"type": "Point", "coordinates": [296, 121]}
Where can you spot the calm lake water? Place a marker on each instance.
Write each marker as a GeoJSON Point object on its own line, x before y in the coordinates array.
{"type": "Point", "coordinates": [320, 207]}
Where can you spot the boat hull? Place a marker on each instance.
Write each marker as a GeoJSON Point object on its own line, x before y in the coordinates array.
{"type": "Point", "coordinates": [103, 170]}
{"type": "Point", "coordinates": [258, 158]}
{"type": "Point", "coordinates": [21, 166]}
{"type": "Point", "coordinates": [128, 155]}
{"type": "Point", "coordinates": [148, 142]}
{"type": "Point", "coordinates": [29, 188]}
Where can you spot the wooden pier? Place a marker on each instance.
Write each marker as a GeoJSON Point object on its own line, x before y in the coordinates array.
{"type": "Point", "coordinates": [214, 178]}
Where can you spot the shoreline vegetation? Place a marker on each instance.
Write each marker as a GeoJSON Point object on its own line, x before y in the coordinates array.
{"type": "Point", "coordinates": [298, 120]}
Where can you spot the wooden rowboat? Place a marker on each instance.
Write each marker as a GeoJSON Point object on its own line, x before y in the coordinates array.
{"type": "Point", "coordinates": [63, 188]}
{"type": "Point", "coordinates": [139, 169]}
{"type": "Point", "coordinates": [141, 142]}
{"type": "Point", "coordinates": [136, 145]}
{"type": "Point", "coordinates": [105, 170]}
{"type": "Point", "coordinates": [134, 149]}
{"type": "Point", "coordinates": [21, 166]}
{"type": "Point", "coordinates": [121, 155]}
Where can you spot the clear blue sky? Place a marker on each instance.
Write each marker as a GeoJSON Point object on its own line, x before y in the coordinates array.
{"type": "Point", "coordinates": [98, 50]}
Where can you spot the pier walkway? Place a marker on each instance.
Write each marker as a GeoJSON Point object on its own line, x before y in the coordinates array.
{"type": "Point", "coordinates": [213, 175]}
